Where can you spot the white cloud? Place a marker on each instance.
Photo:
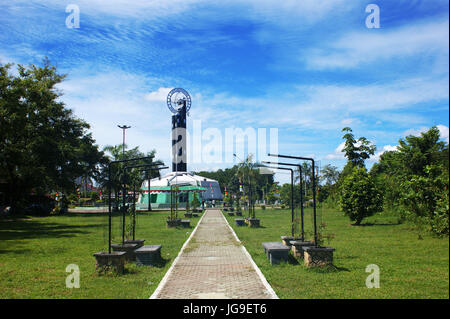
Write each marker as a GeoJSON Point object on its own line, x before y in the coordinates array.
{"type": "Point", "coordinates": [357, 48]}
{"type": "Point", "coordinates": [337, 155]}
{"type": "Point", "coordinates": [443, 130]}
{"type": "Point", "coordinates": [159, 95]}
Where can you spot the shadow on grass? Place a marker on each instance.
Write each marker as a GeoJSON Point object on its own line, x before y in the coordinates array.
{"type": "Point", "coordinates": [292, 260]}
{"type": "Point", "coordinates": [33, 228]}
{"type": "Point", "coordinates": [134, 268]}
{"type": "Point", "coordinates": [93, 214]}
{"type": "Point", "coordinates": [376, 224]}
{"type": "Point", "coordinates": [328, 269]}
{"type": "Point", "coordinates": [16, 251]}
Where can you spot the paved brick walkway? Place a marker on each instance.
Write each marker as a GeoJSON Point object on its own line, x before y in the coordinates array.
{"type": "Point", "coordinates": [213, 264]}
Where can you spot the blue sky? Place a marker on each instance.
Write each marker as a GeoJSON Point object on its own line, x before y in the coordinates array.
{"type": "Point", "coordinates": [307, 68]}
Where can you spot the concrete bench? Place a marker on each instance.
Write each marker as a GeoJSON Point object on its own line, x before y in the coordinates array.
{"type": "Point", "coordinates": [129, 250]}
{"type": "Point", "coordinates": [298, 245]}
{"type": "Point", "coordinates": [139, 242]}
{"type": "Point", "coordinates": [276, 252]}
{"type": "Point", "coordinates": [186, 223]}
{"type": "Point", "coordinates": [318, 256]}
{"type": "Point", "coordinates": [148, 255]}
{"type": "Point", "coordinates": [110, 261]}
{"type": "Point", "coordinates": [239, 221]}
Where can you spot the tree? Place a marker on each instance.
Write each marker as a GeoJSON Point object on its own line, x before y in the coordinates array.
{"type": "Point", "coordinates": [43, 146]}
{"type": "Point", "coordinates": [414, 179]}
{"type": "Point", "coordinates": [425, 198]}
{"type": "Point", "coordinates": [229, 178]}
{"type": "Point", "coordinates": [357, 151]}
{"type": "Point", "coordinates": [417, 152]}
{"type": "Point", "coordinates": [388, 174]}
{"type": "Point", "coordinates": [328, 191]}
{"type": "Point", "coordinates": [120, 178]}
{"type": "Point", "coordinates": [285, 195]}
{"type": "Point", "coordinates": [195, 202]}
{"type": "Point", "coordinates": [330, 174]}
{"type": "Point", "coordinates": [359, 197]}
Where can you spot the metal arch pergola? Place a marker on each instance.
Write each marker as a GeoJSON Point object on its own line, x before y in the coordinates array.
{"type": "Point", "coordinates": [292, 192]}
{"type": "Point", "coordinates": [145, 167]}
{"type": "Point", "coordinates": [109, 194]}
{"type": "Point", "coordinates": [314, 184]}
{"type": "Point", "coordinates": [301, 193]}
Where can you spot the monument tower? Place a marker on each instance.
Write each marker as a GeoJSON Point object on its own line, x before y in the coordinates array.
{"type": "Point", "coordinates": [159, 190]}
{"type": "Point", "coordinates": [179, 102]}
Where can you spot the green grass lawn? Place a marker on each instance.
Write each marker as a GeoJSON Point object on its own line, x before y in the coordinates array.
{"type": "Point", "coordinates": [34, 254]}
{"type": "Point", "coordinates": [409, 267]}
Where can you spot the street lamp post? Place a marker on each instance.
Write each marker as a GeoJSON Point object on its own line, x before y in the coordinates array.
{"type": "Point", "coordinates": [123, 127]}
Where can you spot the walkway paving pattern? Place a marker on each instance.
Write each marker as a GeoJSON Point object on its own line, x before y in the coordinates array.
{"type": "Point", "coordinates": [213, 264]}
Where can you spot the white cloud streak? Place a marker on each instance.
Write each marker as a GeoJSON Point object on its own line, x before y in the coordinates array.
{"type": "Point", "coordinates": [357, 48]}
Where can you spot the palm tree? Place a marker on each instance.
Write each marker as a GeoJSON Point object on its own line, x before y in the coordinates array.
{"type": "Point", "coordinates": [247, 175]}
{"type": "Point", "coordinates": [121, 179]}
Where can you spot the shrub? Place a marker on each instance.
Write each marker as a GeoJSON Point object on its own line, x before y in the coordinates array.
{"type": "Point", "coordinates": [359, 196]}
{"type": "Point", "coordinates": [94, 196]}
{"type": "Point", "coordinates": [195, 202]}
{"type": "Point", "coordinates": [425, 199]}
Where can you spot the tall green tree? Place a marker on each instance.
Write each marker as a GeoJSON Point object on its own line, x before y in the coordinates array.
{"type": "Point", "coordinates": [357, 151]}
{"type": "Point", "coordinates": [414, 179]}
{"type": "Point", "coordinates": [43, 146]}
{"type": "Point", "coordinates": [417, 152]}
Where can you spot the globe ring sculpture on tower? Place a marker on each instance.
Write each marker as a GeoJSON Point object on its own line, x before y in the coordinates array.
{"type": "Point", "coordinates": [175, 100]}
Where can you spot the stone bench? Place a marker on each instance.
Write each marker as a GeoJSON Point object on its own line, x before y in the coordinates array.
{"type": "Point", "coordinates": [110, 261]}
{"type": "Point", "coordinates": [297, 247]}
{"type": "Point", "coordinates": [276, 252]}
{"type": "Point", "coordinates": [318, 256]}
{"type": "Point", "coordinates": [186, 223]}
{"type": "Point", "coordinates": [239, 221]}
{"type": "Point", "coordinates": [148, 255]}
{"type": "Point", "coordinates": [173, 222]}
{"type": "Point", "coordinates": [127, 248]}
{"type": "Point", "coordinates": [253, 222]}
{"type": "Point", "coordinates": [139, 242]}
{"type": "Point", "coordinates": [287, 240]}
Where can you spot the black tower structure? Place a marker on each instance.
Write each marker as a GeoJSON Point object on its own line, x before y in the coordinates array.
{"type": "Point", "coordinates": [179, 140]}
{"type": "Point", "coordinates": [179, 103]}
